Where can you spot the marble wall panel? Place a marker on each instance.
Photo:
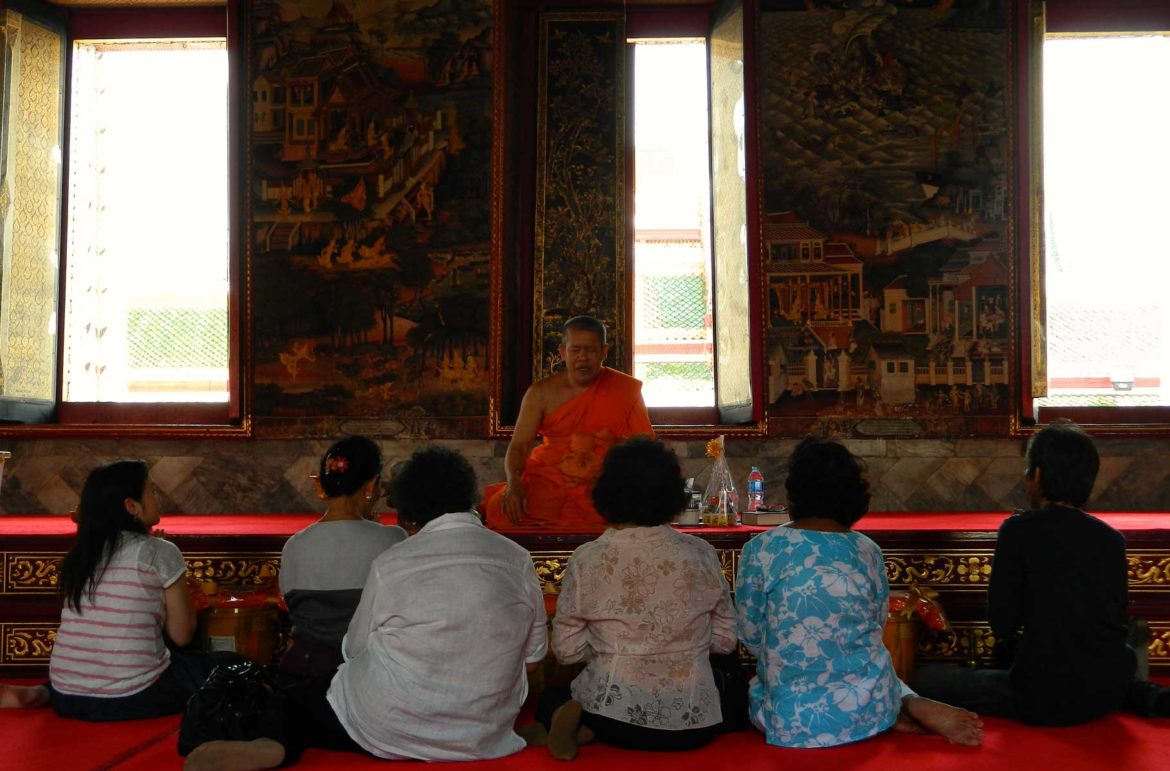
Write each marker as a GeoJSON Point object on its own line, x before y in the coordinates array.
{"type": "Point", "coordinates": [272, 475]}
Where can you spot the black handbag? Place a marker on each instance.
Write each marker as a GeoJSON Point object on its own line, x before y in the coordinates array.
{"type": "Point", "coordinates": [229, 705]}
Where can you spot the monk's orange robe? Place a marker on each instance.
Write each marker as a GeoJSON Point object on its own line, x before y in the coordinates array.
{"type": "Point", "coordinates": [559, 474]}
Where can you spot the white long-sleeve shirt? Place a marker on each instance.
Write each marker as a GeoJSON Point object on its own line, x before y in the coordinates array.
{"type": "Point", "coordinates": [645, 607]}
{"type": "Point", "coordinates": [435, 654]}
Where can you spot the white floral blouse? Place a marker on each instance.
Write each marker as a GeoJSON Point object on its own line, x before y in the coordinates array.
{"type": "Point", "coordinates": [645, 607]}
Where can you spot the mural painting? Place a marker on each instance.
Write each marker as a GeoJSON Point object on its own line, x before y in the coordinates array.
{"type": "Point", "coordinates": [370, 202]}
{"type": "Point", "coordinates": [887, 232]}
{"type": "Point", "coordinates": [580, 261]}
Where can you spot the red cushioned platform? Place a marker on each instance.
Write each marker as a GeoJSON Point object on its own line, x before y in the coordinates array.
{"type": "Point", "coordinates": [287, 524]}
{"type": "Point", "coordinates": [36, 740]}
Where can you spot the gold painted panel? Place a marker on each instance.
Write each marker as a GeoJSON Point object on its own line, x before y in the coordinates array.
{"type": "Point", "coordinates": [1148, 570]}
{"type": "Point", "coordinates": [550, 569]}
{"type": "Point", "coordinates": [26, 644]}
{"type": "Point", "coordinates": [581, 238]}
{"type": "Point", "coordinates": [1160, 643]}
{"type": "Point", "coordinates": [957, 569]}
{"type": "Point", "coordinates": [35, 573]}
{"type": "Point", "coordinates": [729, 564]}
{"type": "Point", "coordinates": [30, 225]}
{"type": "Point", "coordinates": [250, 570]}
{"type": "Point", "coordinates": [966, 642]}
{"type": "Point", "coordinates": [28, 573]}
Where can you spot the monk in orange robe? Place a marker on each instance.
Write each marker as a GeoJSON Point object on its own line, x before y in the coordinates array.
{"type": "Point", "coordinates": [579, 414]}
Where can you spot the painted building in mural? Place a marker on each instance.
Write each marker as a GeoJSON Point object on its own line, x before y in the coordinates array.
{"type": "Point", "coordinates": [832, 333]}
{"type": "Point", "coordinates": [888, 245]}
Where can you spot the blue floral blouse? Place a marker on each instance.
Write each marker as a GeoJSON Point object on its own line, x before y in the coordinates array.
{"type": "Point", "coordinates": [811, 607]}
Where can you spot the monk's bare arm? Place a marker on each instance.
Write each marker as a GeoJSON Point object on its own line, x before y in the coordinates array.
{"type": "Point", "coordinates": [513, 503]}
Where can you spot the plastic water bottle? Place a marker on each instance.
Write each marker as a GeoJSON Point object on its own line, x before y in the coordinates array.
{"type": "Point", "coordinates": [755, 488]}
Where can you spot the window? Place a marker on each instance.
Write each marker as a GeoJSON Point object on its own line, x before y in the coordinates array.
{"type": "Point", "coordinates": [674, 281]}
{"type": "Point", "coordinates": [124, 269]}
{"type": "Point", "coordinates": [1106, 108]}
{"type": "Point", "coordinates": [692, 331]}
{"type": "Point", "coordinates": [1102, 350]}
{"type": "Point", "coordinates": [146, 291]}
{"type": "Point", "coordinates": [673, 336]}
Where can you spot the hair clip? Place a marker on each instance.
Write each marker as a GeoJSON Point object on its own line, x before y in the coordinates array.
{"type": "Point", "coordinates": [336, 464]}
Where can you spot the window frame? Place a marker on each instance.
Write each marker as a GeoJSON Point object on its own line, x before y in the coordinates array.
{"type": "Point", "coordinates": [162, 419]}
{"type": "Point", "coordinates": [1038, 20]}
{"type": "Point", "coordinates": [651, 24]}
{"type": "Point", "coordinates": [512, 275]}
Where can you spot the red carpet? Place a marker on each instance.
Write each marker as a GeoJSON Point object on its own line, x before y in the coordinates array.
{"type": "Point", "coordinates": [1117, 742]}
{"type": "Point", "coordinates": [37, 740]}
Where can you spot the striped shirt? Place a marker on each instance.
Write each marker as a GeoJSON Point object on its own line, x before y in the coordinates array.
{"type": "Point", "coordinates": [114, 646]}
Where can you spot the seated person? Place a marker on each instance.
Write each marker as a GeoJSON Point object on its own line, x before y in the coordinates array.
{"type": "Point", "coordinates": [324, 567]}
{"type": "Point", "coordinates": [812, 601]}
{"type": "Point", "coordinates": [643, 606]}
{"type": "Point", "coordinates": [125, 597]}
{"type": "Point", "coordinates": [579, 414]}
{"type": "Point", "coordinates": [435, 655]}
{"type": "Point", "coordinates": [1057, 596]}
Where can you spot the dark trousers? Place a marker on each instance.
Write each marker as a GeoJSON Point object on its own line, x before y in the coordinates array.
{"type": "Point", "coordinates": [307, 658]}
{"type": "Point", "coordinates": [990, 692]}
{"type": "Point", "coordinates": [626, 736]}
{"type": "Point", "coordinates": [299, 716]}
{"type": "Point", "coordinates": [733, 703]}
{"type": "Point", "coordinates": [983, 691]}
{"type": "Point", "coordinates": [166, 696]}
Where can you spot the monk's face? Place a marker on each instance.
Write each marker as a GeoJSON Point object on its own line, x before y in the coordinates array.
{"type": "Point", "coordinates": [583, 354]}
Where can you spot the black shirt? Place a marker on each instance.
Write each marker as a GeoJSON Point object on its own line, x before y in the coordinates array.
{"type": "Point", "coordinates": [1059, 581]}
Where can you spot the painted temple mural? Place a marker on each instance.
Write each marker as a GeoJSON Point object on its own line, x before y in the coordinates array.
{"type": "Point", "coordinates": [887, 241]}
{"type": "Point", "coordinates": [370, 201]}
{"type": "Point", "coordinates": [580, 157]}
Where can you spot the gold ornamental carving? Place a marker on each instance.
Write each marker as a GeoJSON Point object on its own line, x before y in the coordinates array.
{"type": "Point", "coordinates": [30, 573]}
{"type": "Point", "coordinates": [1159, 643]}
{"type": "Point", "coordinates": [728, 563]}
{"type": "Point", "coordinates": [966, 642]}
{"type": "Point", "coordinates": [1148, 570]}
{"type": "Point", "coordinates": [550, 569]}
{"type": "Point", "coordinates": [246, 570]}
{"type": "Point", "coordinates": [959, 569]}
{"type": "Point", "coordinates": [28, 644]}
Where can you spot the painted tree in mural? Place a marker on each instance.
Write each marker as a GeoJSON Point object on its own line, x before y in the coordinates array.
{"type": "Point", "coordinates": [579, 90]}
{"type": "Point", "coordinates": [369, 167]}
{"type": "Point", "coordinates": [580, 231]}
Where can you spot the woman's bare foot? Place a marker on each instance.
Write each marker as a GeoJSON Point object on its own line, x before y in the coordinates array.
{"type": "Point", "coordinates": [235, 756]}
{"type": "Point", "coordinates": [908, 725]}
{"type": "Point", "coordinates": [533, 734]}
{"type": "Point", "coordinates": [958, 726]}
{"type": "Point", "coordinates": [23, 696]}
{"type": "Point", "coordinates": [562, 733]}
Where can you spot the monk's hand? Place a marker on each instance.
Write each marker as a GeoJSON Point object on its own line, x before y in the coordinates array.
{"type": "Point", "coordinates": [513, 503]}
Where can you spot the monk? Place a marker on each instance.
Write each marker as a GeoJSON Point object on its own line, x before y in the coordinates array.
{"type": "Point", "coordinates": [578, 413]}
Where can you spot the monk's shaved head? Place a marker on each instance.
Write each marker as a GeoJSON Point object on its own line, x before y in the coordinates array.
{"type": "Point", "coordinates": [583, 324]}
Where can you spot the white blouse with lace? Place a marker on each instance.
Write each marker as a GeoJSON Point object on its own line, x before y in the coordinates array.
{"type": "Point", "coordinates": [645, 607]}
